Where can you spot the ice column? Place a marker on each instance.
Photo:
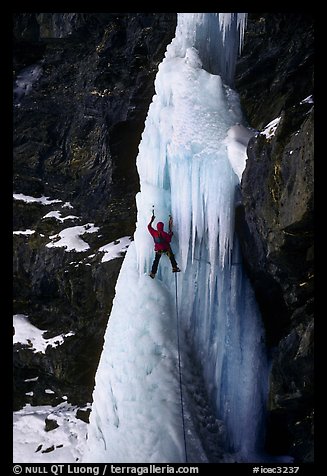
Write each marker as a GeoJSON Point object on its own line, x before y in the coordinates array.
{"type": "Point", "coordinates": [185, 168]}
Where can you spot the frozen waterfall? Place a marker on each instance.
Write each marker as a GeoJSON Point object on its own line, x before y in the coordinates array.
{"type": "Point", "coordinates": [190, 161]}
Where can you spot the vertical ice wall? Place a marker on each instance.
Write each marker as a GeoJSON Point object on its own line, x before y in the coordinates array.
{"type": "Point", "coordinates": [189, 164]}
{"type": "Point", "coordinates": [218, 38]}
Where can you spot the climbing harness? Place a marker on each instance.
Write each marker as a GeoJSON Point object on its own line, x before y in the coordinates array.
{"type": "Point", "coordinates": [179, 368]}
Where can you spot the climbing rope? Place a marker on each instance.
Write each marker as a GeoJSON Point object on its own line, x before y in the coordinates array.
{"type": "Point", "coordinates": [179, 368]}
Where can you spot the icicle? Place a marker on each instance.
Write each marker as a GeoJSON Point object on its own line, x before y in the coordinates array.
{"type": "Point", "coordinates": [225, 22]}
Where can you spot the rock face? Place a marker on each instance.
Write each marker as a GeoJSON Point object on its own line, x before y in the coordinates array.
{"type": "Point", "coordinates": [83, 83]}
{"type": "Point", "coordinates": [275, 219]}
{"type": "Point", "coordinates": [81, 101]}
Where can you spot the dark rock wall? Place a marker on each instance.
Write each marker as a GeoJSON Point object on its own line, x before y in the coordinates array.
{"type": "Point", "coordinates": [83, 83]}
{"type": "Point", "coordinates": [77, 130]}
{"type": "Point", "coordinates": [275, 220]}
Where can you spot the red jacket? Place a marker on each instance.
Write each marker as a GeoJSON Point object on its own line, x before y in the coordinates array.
{"type": "Point", "coordinates": [161, 238]}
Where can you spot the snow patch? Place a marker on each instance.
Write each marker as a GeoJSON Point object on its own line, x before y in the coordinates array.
{"type": "Point", "coordinates": [28, 199]}
{"type": "Point", "coordinates": [69, 238]}
{"type": "Point", "coordinates": [57, 215]}
{"type": "Point", "coordinates": [64, 444]}
{"type": "Point", "coordinates": [270, 129]}
{"type": "Point", "coordinates": [27, 334]}
{"type": "Point", "coordinates": [307, 100]}
{"type": "Point", "coordinates": [115, 249]}
{"type": "Point", "coordinates": [24, 232]}
{"type": "Point", "coordinates": [67, 205]}
{"type": "Point", "coordinates": [237, 140]}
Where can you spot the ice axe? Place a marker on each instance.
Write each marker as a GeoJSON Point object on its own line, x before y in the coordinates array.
{"type": "Point", "coordinates": [170, 223]}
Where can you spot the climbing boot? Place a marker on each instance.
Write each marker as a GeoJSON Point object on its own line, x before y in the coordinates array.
{"type": "Point", "coordinates": [176, 270]}
{"type": "Point", "coordinates": [152, 275]}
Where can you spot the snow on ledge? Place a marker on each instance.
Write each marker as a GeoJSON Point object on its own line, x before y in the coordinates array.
{"type": "Point", "coordinates": [270, 129]}
{"type": "Point", "coordinates": [28, 199]}
{"type": "Point", "coordinates": [114, 249]}
{"type": "Point", "coordinates": [57, 215]}
{"type": "Point", "coordinates": [236, 141]}
{"type": "Point", "coordinates": [67, 205]}
{"type": "Point", "coordinates": [69, 238]}
{"type": "Point", "coordinates": [307, 100]}
{"type": "Point", "coordinates": [23, 232]}
{"type": "Point", "coordinates": [27, 334]}
{"type": "Point", "coordinates": [31, 441]}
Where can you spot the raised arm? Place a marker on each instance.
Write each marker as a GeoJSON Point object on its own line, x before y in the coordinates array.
{"type": "Point", "coordinates": [150, 223]}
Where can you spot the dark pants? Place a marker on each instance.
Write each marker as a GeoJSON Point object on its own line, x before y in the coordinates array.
{"type": "Point", "coordinates": [170, 255]}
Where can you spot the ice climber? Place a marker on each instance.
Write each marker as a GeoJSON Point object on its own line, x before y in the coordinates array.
{"type": "Point", "coordinates": [162, 245]}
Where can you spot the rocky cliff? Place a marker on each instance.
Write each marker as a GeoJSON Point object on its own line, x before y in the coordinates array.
{"type": "Point", "coordinates": [275, 218]}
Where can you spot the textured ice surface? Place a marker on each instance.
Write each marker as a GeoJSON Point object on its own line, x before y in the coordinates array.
{"type": "Point", "coordinates": [190, 161]}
